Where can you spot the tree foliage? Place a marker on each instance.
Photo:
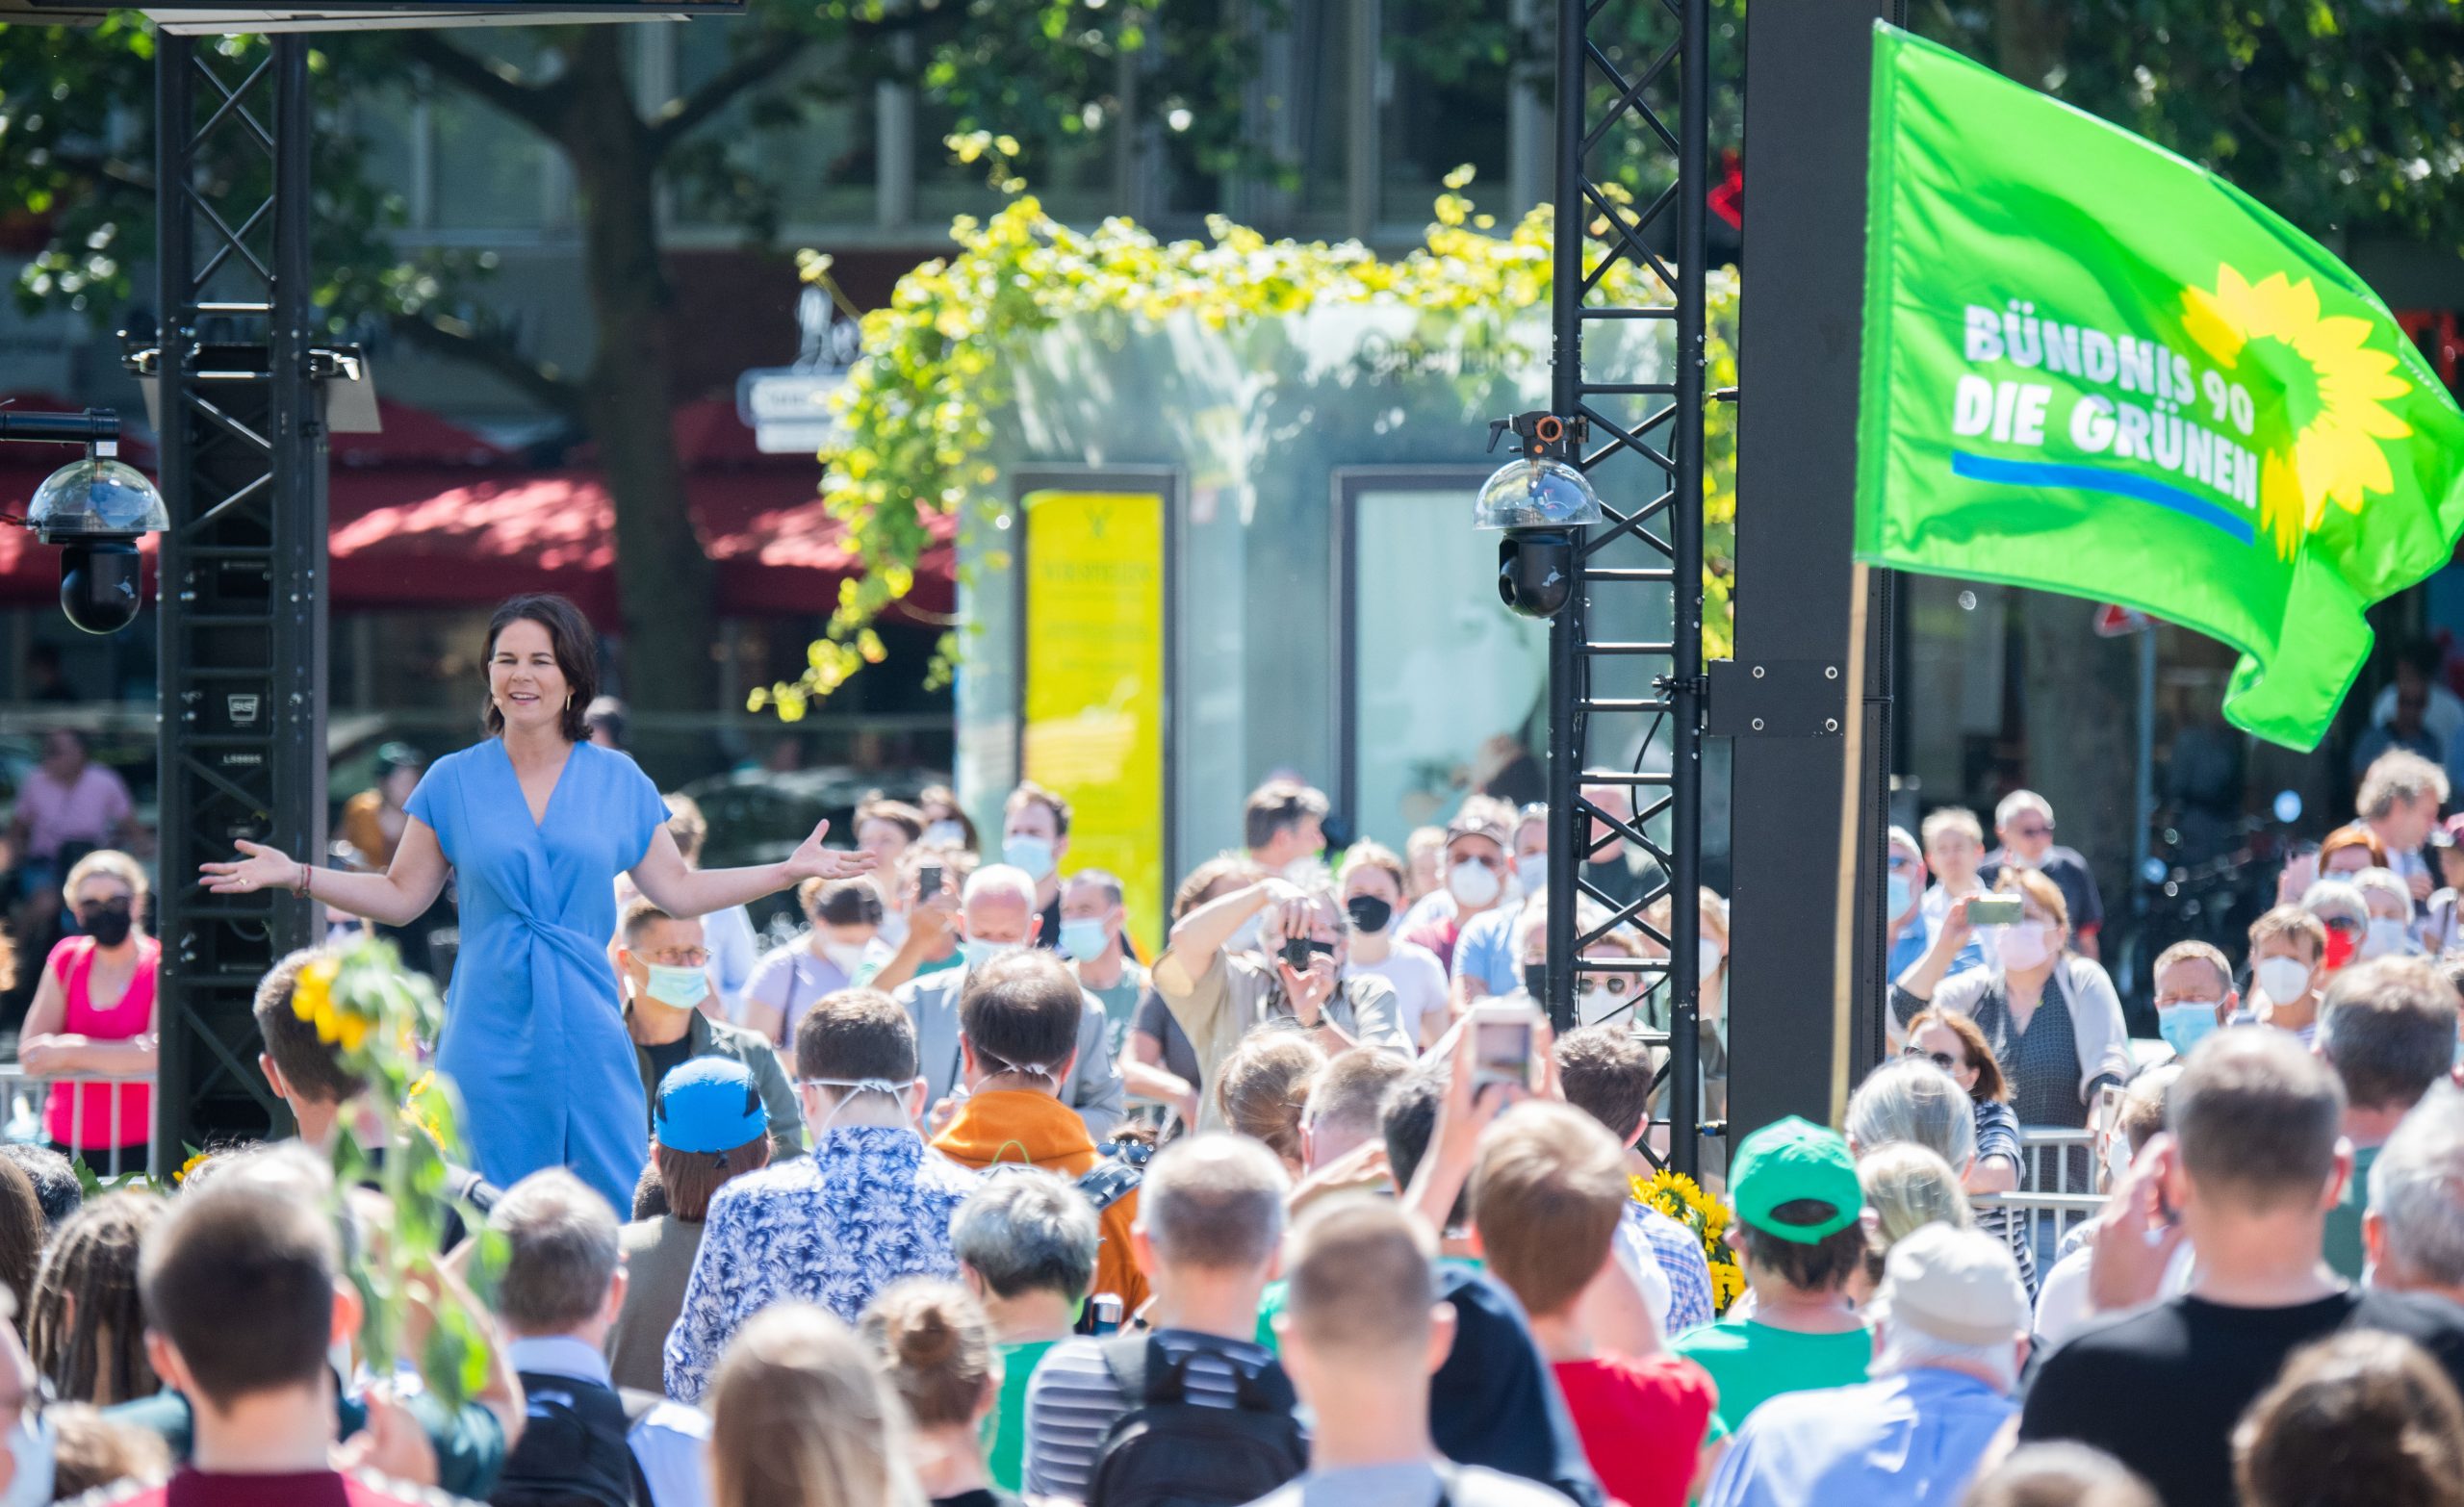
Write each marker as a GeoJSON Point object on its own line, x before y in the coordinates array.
{"type": "Point", "coordinates": [923, 404]}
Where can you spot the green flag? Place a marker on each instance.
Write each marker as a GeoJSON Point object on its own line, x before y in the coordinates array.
{"type": "Point", "coordinates": [2093, 366]}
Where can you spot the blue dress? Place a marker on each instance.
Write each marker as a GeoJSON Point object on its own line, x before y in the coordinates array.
{"type": "Point", "coordinates": [534, 1034]}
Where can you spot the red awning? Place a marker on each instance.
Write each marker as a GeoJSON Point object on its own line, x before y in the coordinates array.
{"type": "Point", "coordinates": [453, 539]}
{"type": "Point", "coordinates": [414, 528]}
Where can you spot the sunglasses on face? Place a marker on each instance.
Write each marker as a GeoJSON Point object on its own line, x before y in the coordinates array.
{"type": "Point", "coordinates": [2031, 832]}
{"type": "Point", "coordinates": [1941, 1060]}
{"type": "Point", "coordinates": [1901, 863]}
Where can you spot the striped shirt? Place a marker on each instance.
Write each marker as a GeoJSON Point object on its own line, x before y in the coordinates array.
{"type": "Point", "coordinates": [1072, 1401]}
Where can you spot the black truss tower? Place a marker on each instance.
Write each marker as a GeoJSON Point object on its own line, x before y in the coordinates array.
{"type": "Point", "coordinates": [1613, 112]}
{"type": "Point", "coordinates": [242, 605]}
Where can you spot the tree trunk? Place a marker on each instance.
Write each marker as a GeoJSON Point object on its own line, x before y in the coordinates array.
{"type": "Point", "coordinates": [665, 582]}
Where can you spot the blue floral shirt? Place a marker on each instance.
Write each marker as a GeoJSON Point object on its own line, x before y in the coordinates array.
{"type": "Point", "coordinates": [1680, 1257]}
{"type": "Point", "coordinates": [871, 1204]}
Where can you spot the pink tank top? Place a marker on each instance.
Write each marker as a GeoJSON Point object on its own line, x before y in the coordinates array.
{"type": "Point", "coordinates": [91, 1122]}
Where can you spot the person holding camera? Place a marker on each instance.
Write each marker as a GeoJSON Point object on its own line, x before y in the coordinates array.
{"type": "Point", "coordinates": [1218, 993]}
{"type": "Point", "coordinates": [2050, 1015]}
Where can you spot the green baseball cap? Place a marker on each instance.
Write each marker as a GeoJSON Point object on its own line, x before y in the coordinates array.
{"type": "Point", "coordinates": [1795, 1160]}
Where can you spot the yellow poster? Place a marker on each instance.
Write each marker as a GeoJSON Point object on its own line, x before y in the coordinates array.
{"type": "Point", "coordinates": [1093, 693]}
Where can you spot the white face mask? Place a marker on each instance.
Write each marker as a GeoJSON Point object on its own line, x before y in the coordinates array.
{"type": "Point", "coordinates": [2024, 946]}
{"type": "Point", "coordinates": [2282, 980]}
{"type": "Point", "coordinates": [1708, 954]}
{"type": "Point", "coordinates": [845, 957]}
{"type": "Point", "coordinates": [2388, 938]}
{"type": "Point", "coordinates": [1531, 872]}
{"type": "Point", "coordinates": [1473, 883]}
{"type": "Point", "coordinates": [945, 834]}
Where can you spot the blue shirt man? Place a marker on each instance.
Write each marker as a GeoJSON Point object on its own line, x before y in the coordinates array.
{"type": "Point", "coordinates": [1952, 1337]}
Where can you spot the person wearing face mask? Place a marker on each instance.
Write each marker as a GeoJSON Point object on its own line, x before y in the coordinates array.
{"type": "Point", "coordinates": [1479, 864]}
{"type": "Point", "coordinates": [2195, 994]}
{"type": "Point", "coordinates": [666, 970]}
{"type": "Point", "coordinates": [2389, 930]}
{"type": "Point", "coordinates": [1017, 1027]}
{"type": "Point", "coordinates": [1903, 901]}
{"type": "Point", "coordinates": [1035, 837]}
{"type": "Point", "coordinates": [1711, 986]}
{"type": "Point", "coordinates": [1160, 1064]}
{"type": "Point", "coordinates": [1372, 891]}
{"type": "Point", "coordinates": [92, 1017]}
{"type": "Point", "coordinates": [2289, 952]}
{"type": "Point", "coordinates": [872, 1203]}
{"type": "Point", "coordinates": [534, 823]}
{"type": "Point", "coordinates": [2050, 1015]}
{"type": "Point", "coordinates": [1219, 994]}
{"type": "Point", "coordinates": [1092, 921]}
{"type": "Point", "coordinates": [887, 829]}
{"type": "Point", "coordinates": [1283, 824]}
{"type": "Point", "coordinates": [2024, 823]}
{"type": "Point", "coordinates": [846, 921]}
{"type": "Point", "coordinates": [1599, 997]}
{"type": "Point", "coordinates": [1485, 960]}
{"type": "Point", "coordinates": [946, 823]}
{"type": "Point", "coordinates": [996, 916]}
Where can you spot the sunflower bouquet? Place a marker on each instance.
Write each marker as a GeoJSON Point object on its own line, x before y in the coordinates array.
{"type": "Point", "coordinates": [1678, 1196]}
{"type": "Point", "coordinates": [400, 1134]}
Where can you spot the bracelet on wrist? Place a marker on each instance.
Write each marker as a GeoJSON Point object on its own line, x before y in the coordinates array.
{"type": "Point", "coordinates": [307, 873]}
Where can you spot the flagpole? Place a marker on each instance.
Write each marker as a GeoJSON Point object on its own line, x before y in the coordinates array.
{"type": "Point", "coordinates": [1852, 805]}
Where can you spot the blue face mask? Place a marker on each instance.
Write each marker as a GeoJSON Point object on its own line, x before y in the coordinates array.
{"type": "Point", "coordinates": [2186, 1025]}
{"type": "Point", "coordinates": [681, 988]}
{"type": "Point", "coordinates": [1030, 854]}
{"type": "Point", "coordinates": [1081, 937]}
{"type": "Point", "coordinates": [30, 1447]}
{"type": "Point", "coordinates": [1900, 894]}
{"type": "Point", "coordinates": [979, 953]}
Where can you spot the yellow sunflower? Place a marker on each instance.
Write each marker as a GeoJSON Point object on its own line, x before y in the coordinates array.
{"type": "Point", "coordinates": [2336, 425]}
{"type": "Point", "coordinates": [312, 1000]}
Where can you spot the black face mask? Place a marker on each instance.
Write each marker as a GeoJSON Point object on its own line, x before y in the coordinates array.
{"type": "Point", "coordinates": [1536, 979]}
{"type": "Point", "coordinates": [1369, 913]}
{"type": "Point", "coordinates": [106, 924]}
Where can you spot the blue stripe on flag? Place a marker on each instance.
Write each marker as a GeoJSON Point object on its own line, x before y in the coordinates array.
{"type": "Point", "coordinates": [2088, 478]}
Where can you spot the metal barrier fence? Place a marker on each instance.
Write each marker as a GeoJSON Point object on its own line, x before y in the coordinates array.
{"type": "Point", "coordinates": [2057, 1189]}
{"type": "Point", "coordinates": [25, 1101]}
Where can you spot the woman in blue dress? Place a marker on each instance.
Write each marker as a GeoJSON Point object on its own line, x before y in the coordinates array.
{"type": "Point", "coordinates": [536, 822]}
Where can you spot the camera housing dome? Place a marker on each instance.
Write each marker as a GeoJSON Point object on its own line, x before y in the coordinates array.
{"type": "Point", "coordinates": [1534, 491]}
{"type": "Point", "coordinates": [95, 498]}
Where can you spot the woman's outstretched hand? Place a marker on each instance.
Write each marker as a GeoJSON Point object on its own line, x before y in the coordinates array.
{"type": "Point", "coordinates": [260, 868]}
{"type": "Point", "coordinates": [813, 860]}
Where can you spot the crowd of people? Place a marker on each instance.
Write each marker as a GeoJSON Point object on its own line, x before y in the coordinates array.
{"type": "Point", "coordinates": [960, 1197]}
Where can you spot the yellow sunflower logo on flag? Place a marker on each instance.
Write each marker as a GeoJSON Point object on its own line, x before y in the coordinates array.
{"type": "Point", "coordinates": [2335, 395]}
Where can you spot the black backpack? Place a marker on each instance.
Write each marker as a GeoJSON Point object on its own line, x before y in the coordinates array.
{"type": "Point", "coordinates": [573, 1451]}
{"type": "Point", "coordinates": [1167, 1451]}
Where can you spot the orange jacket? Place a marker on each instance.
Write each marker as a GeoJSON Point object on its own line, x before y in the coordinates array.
{"type": "Point", "coordinates": [1036, 1129]}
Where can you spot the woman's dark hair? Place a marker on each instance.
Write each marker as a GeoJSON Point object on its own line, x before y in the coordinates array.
{"type": "Point", "coordinates": [577, 651]}
{"type": "Point", "coordinates": [21, 1232]}
{"type": "Point", "coordinates": [87, 1330]}
{"type": "Point", "coordinates": [1990, 1087]}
